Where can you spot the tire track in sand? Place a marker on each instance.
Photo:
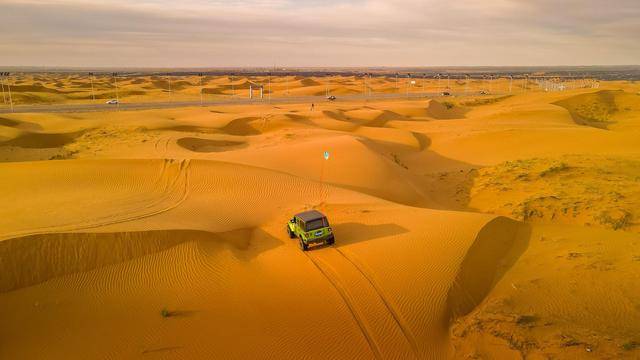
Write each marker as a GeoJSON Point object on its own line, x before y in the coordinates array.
{"type": "Point", "coordinates": [170, 186]}
{"type": "Point", "coordinates": [389, 305]}
{"type": "Point", "coordinates": [165, 146]}
{"type": "Point", "coordinates": [381, 325]}
{"type": "Point", "coordinates": [346, 298]}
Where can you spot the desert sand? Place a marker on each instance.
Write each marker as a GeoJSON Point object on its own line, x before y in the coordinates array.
{"type": "Point", "coordinates": [477, 227]}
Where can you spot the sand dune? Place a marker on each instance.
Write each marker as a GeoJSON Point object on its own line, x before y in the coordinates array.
{"type": "Point", "coordinates": [57, 254]}
{"type": "Point", "coordinates": [207, 145]}
{"type": "Point", "coordinates": [23, 125]}
{"type": "Point", "coordinates": [309, 82]}
{"type": "Point", "coordinates": [445, 110]}
{"type": "Point", "coordinates": [380, 307]}
{"type": "Point", "coordinates": [42, 140]}
{"type": "Point", "coordinates": [592, 109]}
{"type": "Point", "coordinates": [584, 299]}
{"type": "Point", "coordinates": [160, 187]}
{"type": "Point", "coordinates": [242, 126]}
{"type": "Point", "coordinates": [160, 233]}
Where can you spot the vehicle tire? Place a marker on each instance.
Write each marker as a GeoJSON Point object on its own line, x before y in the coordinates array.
{"type": "Point", "coordinates": [291, 234]}
{"type": "Point", "coordinates": [331, 240]}
{"type": "Point", "coordinates": [303, 246]}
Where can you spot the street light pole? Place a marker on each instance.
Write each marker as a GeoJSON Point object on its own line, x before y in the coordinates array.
{"type": "Point", "coordinates": [466, 84]}
{"type": "Point", "coordinates": [4, 99]}
{"type": "Point", "coordinates": [9, 88]}
{"type": "Point", "coordinates": [328, 84]}
{"type": "Point", "coordinates": [269, 98]}
{"type": "Point", "coordinates": [115, 80]}
{"type": "Point", "coordinates": [201, 90]}
{"type": "Point", "coordinates": [170, 90]}
{"type": "Point", "coordinates": [93, 94]}
{"type": "Point", "coordinates": [364, 82]}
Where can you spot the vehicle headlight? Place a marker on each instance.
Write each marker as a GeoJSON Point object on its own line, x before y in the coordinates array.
{"type": "Point", "coordinates": [328, 230]}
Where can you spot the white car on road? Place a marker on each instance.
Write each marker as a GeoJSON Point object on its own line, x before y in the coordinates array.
{"type": "Point", "coordinates": [113, 102]}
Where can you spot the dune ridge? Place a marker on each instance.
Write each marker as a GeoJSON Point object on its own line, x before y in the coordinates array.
{"type": "Point", "coordinates": [54, 255]}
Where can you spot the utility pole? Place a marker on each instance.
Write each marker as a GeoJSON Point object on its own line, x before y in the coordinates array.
{"type": "Point", "coordinates": [466, 84]}
{"type": "Point", "coordinates": [364, 82]}
{"type": "Point", "coordinates": [327, 85]}
{"type": "Point", "coordinates": [115, 80]}
{"type": "Point", "coordinates": [93, 94]}
{"type": "Point", "coordinates": [269, 98]}
{"type": "Point", "coordinates": [4, 99]}
{"type": "Point", "coordinates": [408, 84]}
{"type": "Point", "coordinates": [9, 88]}
{"type": "Point", "coordinates": [423, 89]}
{"type": "Point", "coordinates": [397, 84]}
{"type": "Point", "coordinates": [510, 83]}
{"type": "Point", "coordinates": [170, 90]}
{"type": "Point", "coordinates": [201, 90]}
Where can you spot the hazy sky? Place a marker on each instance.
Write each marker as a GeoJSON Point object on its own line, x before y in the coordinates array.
{"type": "Point", "coordinates": [163, 33]}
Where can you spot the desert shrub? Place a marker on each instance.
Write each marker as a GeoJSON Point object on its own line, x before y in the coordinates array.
{"type": "Point", "coordinates": [448, 105]}
{"type": "Point", "coordinates": [165, 313]}
{"type": "Point", "coordinates": [485, 101]}
{"type": "Point", "coordinates": [397, 160]}
{"type": "Point", "coordinates": [618, 220]}
{"type": "Point", "coordinates": [555, 168]}
{"type": "Point", "coordinates": [525, 320]}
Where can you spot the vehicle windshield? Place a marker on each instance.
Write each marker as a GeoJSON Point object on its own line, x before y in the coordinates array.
{"type": "Point", "coordinates": [316, 224]}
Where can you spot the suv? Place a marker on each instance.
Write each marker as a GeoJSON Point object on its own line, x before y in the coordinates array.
{"type": "Point", "coordinates": [310, 227]}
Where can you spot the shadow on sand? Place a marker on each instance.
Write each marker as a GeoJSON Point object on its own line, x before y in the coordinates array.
{"type": "Point", "coordinates": [498, 246]}
{"type": "Point", "coordinates": [59, 254]}
{"type": "Point", "coordinates": [350, 233]}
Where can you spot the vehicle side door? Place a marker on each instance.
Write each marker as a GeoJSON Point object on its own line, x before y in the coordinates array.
{"type": "Point", "coordinates": [299, 226]}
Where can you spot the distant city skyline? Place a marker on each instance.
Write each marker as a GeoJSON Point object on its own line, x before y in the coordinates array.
{"type": "Point", "coordinates": [199, 33]}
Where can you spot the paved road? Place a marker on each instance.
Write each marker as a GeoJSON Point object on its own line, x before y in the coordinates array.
{"type": "Point", "coordinates": [62, 108]}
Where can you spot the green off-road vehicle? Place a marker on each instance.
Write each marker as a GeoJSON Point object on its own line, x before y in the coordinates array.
{"type": "Point", "coordinates": [310, 227]}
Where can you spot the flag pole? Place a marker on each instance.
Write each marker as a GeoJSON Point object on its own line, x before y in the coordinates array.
{"type": "Point", "coordinates": [4, 99]}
